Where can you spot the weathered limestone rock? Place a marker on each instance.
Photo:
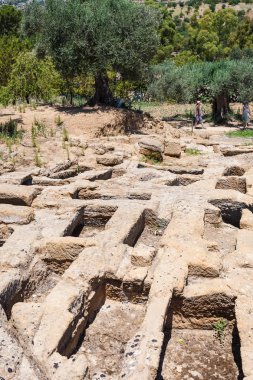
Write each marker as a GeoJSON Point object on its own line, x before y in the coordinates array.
{"type": "Point", "coordinates": [46, 181]}
{"type": "Point", "coordinates": [102, 149]}
{"type": "Point", "coordinates": [11, 355]}
{"type": "Point", "coordinates": [6, 167]}
{"type": "Point", "coordinates": [64, 174]}
{"type": "Point", "coordinates": [95, 175]}
{"type": "Point", "coordinates": [244, 323]}
{"type": "Point", "coordinates": [234, 171]}
{"type": "Point", "coordinates": [235, 151]}
{"type": "Point", "coordinates": [246, 221]}
{"type": "Point", "coordinates": [148, 146]}
{"type": "Point", "coordinates": [17, 195]}
{"type": "Point", "coordinates": [244, 249]}
{"type": "Point", "coordinates": [212, 215]}
{"type": "Point", "coordinates": [142, 255]}
{"type": "Point", "coordinates": [182, 181]}
{"type": "Point", "coordinates": [235, 183]}
{"type": "Point", "coordinates": [26, 319]}
{"type": "Point", "coordinates": [58, 253]}
{"type": "Point", "coordinates": [77, 366]}
{"type": "Point", "coordinates": [73, 171]}
{"type": "Point", "coordinates": [109, 160]}
{"type": "Point", "coordinates": [75, 141]}
{"type": "Point", "coordinates": [133, 281]}
{"type": "Point", "coordinates": [179, 170]}
{"type": "Point", "coordinates": [250, 184]}
{"type": "Point", "coordinates": [88, 192]}
{"type": "Point", "coordinates": [198, 301]}
{"type": "Point", "coordinates": [16, 178]}
{"type": "Point", "coordinates": [59, 167]}
{"type": "Point", "coordinates": [13, 363]}
{"type": "Point", "coordinates": [101, 306]}
{"type": "Point", "coordinates": [139, 195]}
{"type": "Point", "coordinates": [172, 148]}
{"type": "Point", "coordinates": [5, 231]}
{"type": "Point", "coordinates": [10, 214]}
{"type": "Point", "coordinates": [216, 148]}
{"type": "Point", "coordinates": [61, 310]}
{"type": "Point", "coordinates": [27, 371]}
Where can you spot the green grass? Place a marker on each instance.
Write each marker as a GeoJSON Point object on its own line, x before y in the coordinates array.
{"type": "Point", "coordinates": [143, 104]}
{"type": "Point", "coordinates": [40, 128]}
{"type": "Point", "coordinates": [241, 133]}
{"type": "Point", "coordinates": [152, 158]}
{"type": "Point", "coordinates": [192, 152]}
{"type": "Point", "coordinates": [219, 328]}
{"type": "Point", "coordinates": [37, 159]}
{"type": "Point", "coordinates": [58, 121]}
{"type": "Point", "coordinates": [65, 136]}
{"type": "Point", "coordinates": [9, 132]}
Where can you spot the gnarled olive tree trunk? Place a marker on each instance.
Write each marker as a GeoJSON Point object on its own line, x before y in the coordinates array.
{"type": "Point", "coordinates": [103, 94]}
{"type": "Point", "coordinates": [220, 108]}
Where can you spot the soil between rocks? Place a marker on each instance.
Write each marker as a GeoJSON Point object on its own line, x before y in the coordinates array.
{"type": "Point", "coordinates": [106, 338]}
{"type": "Point", "coordinates": [199, 355]}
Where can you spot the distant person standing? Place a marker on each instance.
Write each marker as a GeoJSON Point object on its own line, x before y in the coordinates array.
{"type": "Point", "coordinates": [246, 114]}
{"type": "Point", "coordinates": [198, 114]}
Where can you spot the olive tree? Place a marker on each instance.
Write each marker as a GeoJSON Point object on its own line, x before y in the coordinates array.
{"type": "Point", "coordinates": [95, 36]}
{"type": "Point", "coordinates": [220, 81]}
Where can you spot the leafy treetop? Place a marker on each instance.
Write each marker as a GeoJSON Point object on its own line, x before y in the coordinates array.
{"type": "Point", "coordinates": [10, 18]}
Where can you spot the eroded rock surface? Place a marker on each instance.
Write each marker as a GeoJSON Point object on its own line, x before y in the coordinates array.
{"type": "Point", "coordinates": [134, 271]}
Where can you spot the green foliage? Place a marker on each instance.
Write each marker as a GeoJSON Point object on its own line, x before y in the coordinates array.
{"type": "Point", "coordinates": [10, 18]}
{"type": "Point", "coordinates": [212, 36]}
{"type": "Point", "coordinates": [217, 81]}
{"type": "Point", "coordinates": [40, 128]}
{"type": "Point", "coordinates": [22, 108]}
{"type": "Point", "coordinates": [178, 83]}
{"type": "Point", "coordinates": [95, 36]}
{"type": "Point", "coordinates": [185, 57]}
{"type": "Point", "coordinates": [162, 223]}
{"type": "Point", "coordinates": [10, 48]}
{"type": "Point", "coordinates": [160, 226]}
{"type": "Point", "coordinates": [37, 159]}
{"type": "Point", "coordinates": [153, 158]}
{"type": "Point", "coordinates": [32, 20]}
{"type": "Point", "coordinates": [242, 133]}
{"type": "Point", "coordinates": [111, 43]}
{"type": "Point", "coordinates": [10, 134]}
{"type": "Point", "coordinates": [58, 121]}
{"type": "Point", "coordinates": [65, 136]}
{"type": "Point", "coordinates": [32, 78]}
{"type": "Point", "coordinates": [33, 136]}
{"type": "Point", "coordinates": [192, 152]}
{"type": "Point", "coordinates": [219, 328]}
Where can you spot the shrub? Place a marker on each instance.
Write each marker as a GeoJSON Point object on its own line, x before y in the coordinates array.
{"type": "Point", "coordinates": [58, 121]}
{"type": "Point", "coordinates": [9, 131]}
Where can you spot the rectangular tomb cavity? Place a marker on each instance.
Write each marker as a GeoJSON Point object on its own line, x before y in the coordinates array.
{"type": "Point", "coordinates": [147, 230]}
{"type": "Point", "coordinates": [104, 333]}
{"type": "Point", "coordinates": [201, 340]}
{"type": "Point", "coordinates": [231, 211]}
{"type": "Point", "coordinates": [92, 221]}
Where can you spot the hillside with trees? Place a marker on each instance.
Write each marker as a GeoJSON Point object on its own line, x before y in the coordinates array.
{"type": "Point", "coordinates": [104, 50]}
